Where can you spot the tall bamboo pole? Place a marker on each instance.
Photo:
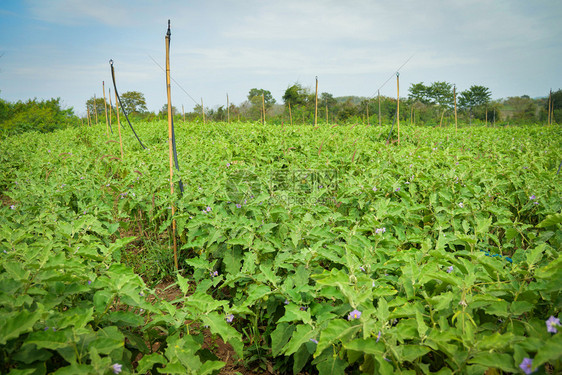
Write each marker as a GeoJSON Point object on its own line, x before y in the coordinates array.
{"type": "Point", "coordinates": [442, 114]}
{"type": "Point", "coordinates": [327, 112]}
{"type": "Point", "coordinates": [368, 123]}
{"type": "Point", "coordinates": [290, 114]}
{"type": "Point", "coordinates": [316, 104]}
{"type": "Point", "coordinates": [171, 142]}
{"type": "Point", "coordinates": [227, 109]}
{"type": "Point", "coordinates": [119, 125]}
{"type": "Point", "coordinates": [549, 106]}
{"type": "Point", "coordinates": [105, 105]}
{"type": "Point", "coordinates": [379, 95]}
{"type": "Point", "coordinates": [455, 96]}
{"type": "Point", "coordinates": [202, 110]}
{"type": "Point", "coordinates": [183, 112]}
{"type": "Point", "coordinates": [95, 109]}
{"type": "Point", "coordinates": [110, 105]}
{"type": "Point", "coordinates": [88, 108]}
{"type": "Point", "coordinates": [486, 123]}
{"type": "Point", "coordinates": [263, 108]}
{"type": "Point", "coordinates": [398, 105]}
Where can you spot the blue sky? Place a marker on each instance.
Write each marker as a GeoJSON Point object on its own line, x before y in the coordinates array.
{"type": "Point", "coordinates": [61, 48]}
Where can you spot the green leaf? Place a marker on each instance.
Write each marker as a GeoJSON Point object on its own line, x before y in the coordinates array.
{"type": "Point", "coordinates": [48, 339]}
{"type": "Point", "coordinates": [147, 362]}
{"type": "Point", "coordinates": [367, 346]}
{"type": "Point", "coordinates": [494, 360]}
{"type": "Point", "coordinates": [218, 325]}
{"type": "Point", "coordinates": [108, 339]}
{"type": "Point", "coordinates": [551, 351]}
{"type": "Point", "coordinates": [280, 337]}
{"type": "Point", "coordinates": [337, 329]}
{"type": "Point", "coordinates": [550, 220]}
{"type": "Point", "coordinates": [331, 366]}
{"type": "Point", "coordinates": [302, 334]}
{"type": "Point", "coordinates": [409, 353]}
{"type": "Point", "coordinates": [15, 323]}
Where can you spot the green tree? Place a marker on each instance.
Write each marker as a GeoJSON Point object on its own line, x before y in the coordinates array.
{"type": "Point", "coordinates": [99, 107]}
{"type": "Point", "coordinates": [418, 92]}
{"type": "Point", "coordinates": [441, 93]}
{"type": "Point", "coordinates": [43, 116]}
{"type": "Point", "coordinates": [134, 102]}
{"type": "Point", "coordinates": [475, 100]}
{"type": "Point", "coordinates": [255, 97]}
{"type": "Point", "coordinates": [296, 95]}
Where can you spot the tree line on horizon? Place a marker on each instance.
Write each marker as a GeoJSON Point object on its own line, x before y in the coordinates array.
{"type": "Point", "coordinates": [430, 105]}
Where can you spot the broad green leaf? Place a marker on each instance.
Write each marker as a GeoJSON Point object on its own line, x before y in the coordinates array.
{"type": "Point", "coordinates": [494, 360]}
{"type": "Point", "coordinates": [15, 323]}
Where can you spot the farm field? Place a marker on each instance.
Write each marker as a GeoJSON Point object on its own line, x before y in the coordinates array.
{"type": "Point", "coordinates": [300, 250]}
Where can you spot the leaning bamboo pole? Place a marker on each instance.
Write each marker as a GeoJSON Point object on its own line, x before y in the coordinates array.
{"type": "Point", "coordinates": [105, 105]}
{"type": "Point", "coordinates": [95, 110]}
{"type": "Point", "coordinates": [119, 125]}
{"type": "Point", "coordinates": [398, 105]}
{"type": "Point", "coordinates": [171, 142]}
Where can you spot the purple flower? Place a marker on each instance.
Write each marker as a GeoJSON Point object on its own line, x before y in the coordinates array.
{"type": "Point", "coordinates": [314, 341]}
{"type": "Point", "coordinates": [355, 314]}
{"type": "Point", "coordinates": [551, 323]}
{"type": "Point", "coordinates": [228, 164]}
{"type": "Point", "coordinates": [214, 273]}
{"type": "Point", "coordinates": [12, 207]}
{"type": "Point", "coordinates": [461, 205]}
{"type": "Point", "coordinates": [229, 318]}
{"type": "Point", "coordinates": [286, 302]}
{"type": "Point", "coordinates": [450, 269]}
{"type": "Point", "coordinates": [208, 209]}
{"type": "Point", "coordinates": [89, 282]}
{"type": "Point", "coordinates": [116, 368]}
{"type": "Point", "coordinates": [380, 230]}
{"type": "Point", "coordinates": [379, 336]}
{"type": "Point", "coordinates": [397, 189]}
{"type": "Point", "coordinates": [362, 268]}
{"type": "Point", "coordinates": [375, 188]}
{"type": "Point", "coordinates": [533, 197]}
{"type": "Point", "coordinates": [527, 365]}
{"type": "Point", "coordinates": [238, 205]}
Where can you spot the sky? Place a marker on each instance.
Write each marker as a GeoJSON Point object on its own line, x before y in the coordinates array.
{"type": "Point", "coordinates": [62, 48]}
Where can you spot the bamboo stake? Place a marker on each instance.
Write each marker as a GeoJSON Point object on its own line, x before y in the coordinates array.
{"type": "Point", "coordinates": [486, 123]}
{"type": "Point", "coordinates": [110, 106]}
{"type": "Point", "coordinates": [170, 142]}
{"type": "Point", "coordinates": [88, 108]}
{"type": "Point", "coordinates": [263, 108]}
{"type": "Point", "coordinates": [455, 96]}
{"type": "Point", "coordinates": [95, 109]}
{"type": "Point", "coordinates": [183, 112]}
{"type": "Point", "coordinates": [227, 109]}
{"type": "Point", "coordinates": [327, 112]}
{"type": "Point", "coordinates": [202, 110]}
{"type": "Point", "coordinates": [368, 123]}
{"type": "Point", "coordinates": [441, 121]}
{"type": "Point", "coordinates": [119, 125]}
{"type": "Point", "coordinates": [549, 106]}
{"type": "Point", "coordinates": [316, 104]}
{"type": "Point", "coordinates": [290, 114]}
{"type": "Point", "coordinates": [105, 105]}
{"type": "Point", "coordinates": [398, 105]}
{"type": "Point", "coordinates": [379, 94]}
